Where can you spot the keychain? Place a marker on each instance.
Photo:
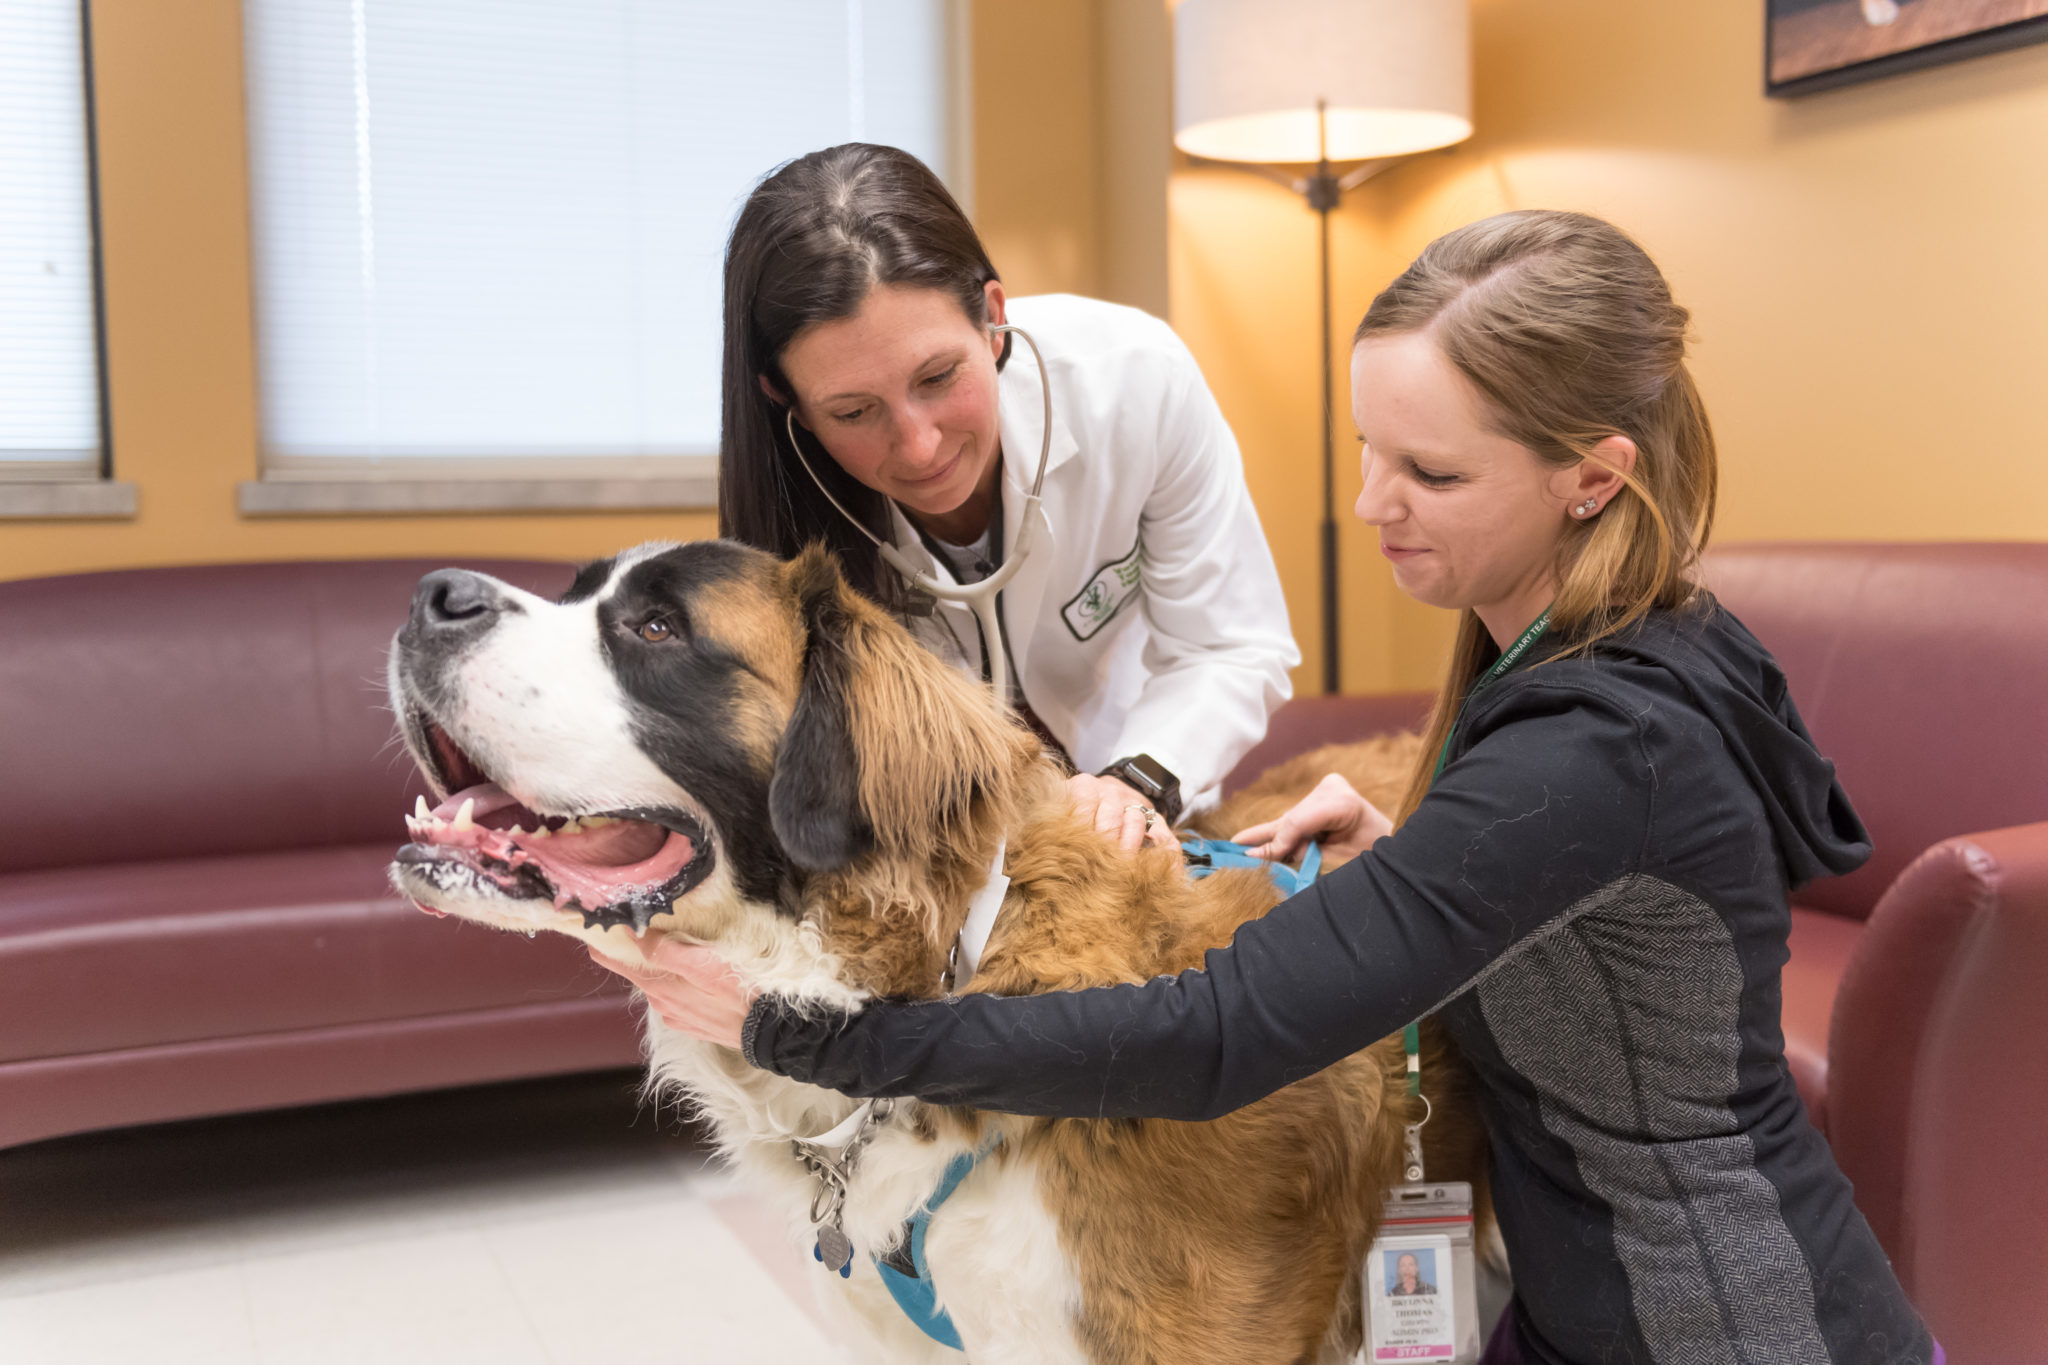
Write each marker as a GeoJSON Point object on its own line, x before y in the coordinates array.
{"type": "Point", "coordinates": [1420, 1280]}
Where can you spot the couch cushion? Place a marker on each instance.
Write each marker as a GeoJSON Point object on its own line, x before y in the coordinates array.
{"type": "Point", "coordinates": [178, 713]}
{"type": "Point", "coordinates": [1920, 670]}
{"type": "Point", "coordinates": [141, 954]}
{"type": "Point", "coordinates": [48, 1096]}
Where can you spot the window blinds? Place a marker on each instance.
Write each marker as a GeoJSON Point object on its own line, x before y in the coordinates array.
{"type": "Point", "coordinates": [495, 228]}
{"type": "Point", "coordinates": [49, 348]}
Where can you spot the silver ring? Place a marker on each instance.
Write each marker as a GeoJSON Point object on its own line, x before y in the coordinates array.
{"type": "Point", "coordinates": [1150, 814]}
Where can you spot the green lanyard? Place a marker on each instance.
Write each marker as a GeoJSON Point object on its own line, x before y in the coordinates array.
{"type": "Point", "coordinates": [1506, 661]}
{"type": "Point", "coordinates": [1411, 1037]}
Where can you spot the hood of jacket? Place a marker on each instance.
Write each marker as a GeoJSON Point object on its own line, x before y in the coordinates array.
{"type": "Point", "coordinates": [1725, 673]}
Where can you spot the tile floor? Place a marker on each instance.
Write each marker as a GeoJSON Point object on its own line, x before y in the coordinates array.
{"type": "Point", "coordinates": [544, 1223]}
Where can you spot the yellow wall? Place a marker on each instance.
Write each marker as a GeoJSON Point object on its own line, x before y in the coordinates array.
{"type": "Point", "coordinates": [1865, 269]}
{"type": "Point", "coordinates": [1870, 298]}
{"type": "Point", "coordinates": [1243, 273]}
{"type": "Point", "coordinates": [180, 342]}
{"type": "Point", "coordinates": [1072, 144]}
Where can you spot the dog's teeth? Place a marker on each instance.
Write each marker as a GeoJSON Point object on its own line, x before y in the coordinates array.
{"type": "Point", "coordinates": [419, 809]}
{"type": "Point", "coordinates": [464, 818]}
{"type": "Point", "coordinates": [572, 824]}
{"type": "Point", "coordinates": [540, 833]}
{"type": "Point", "coordinates": [598, 821]}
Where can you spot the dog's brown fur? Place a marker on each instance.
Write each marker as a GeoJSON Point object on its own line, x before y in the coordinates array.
{"type": "Point", "coordinates": [1238, 1239]}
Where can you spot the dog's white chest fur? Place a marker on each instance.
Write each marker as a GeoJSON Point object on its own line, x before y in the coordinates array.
{"type": "Point", "coordinates": [993, 1249]}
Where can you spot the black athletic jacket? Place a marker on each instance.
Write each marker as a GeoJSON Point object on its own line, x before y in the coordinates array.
{"type": "Point", "coordinates": [1592, 900]}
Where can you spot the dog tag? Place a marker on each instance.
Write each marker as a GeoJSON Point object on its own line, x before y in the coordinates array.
{"type": "Point", "coordinates": [835, 1250]}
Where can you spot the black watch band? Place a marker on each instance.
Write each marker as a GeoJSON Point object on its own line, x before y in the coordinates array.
{"type": "Point", "coordinates": [1151, 779]}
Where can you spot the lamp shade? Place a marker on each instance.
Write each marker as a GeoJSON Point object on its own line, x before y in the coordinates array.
{"type": "Point", "coordinates": [1396, 76]}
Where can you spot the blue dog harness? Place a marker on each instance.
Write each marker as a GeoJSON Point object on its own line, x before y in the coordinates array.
{"type": "Point", "coordinates": [914, 1292]}
{"type": "Point", "coordinates": [1213, 855]}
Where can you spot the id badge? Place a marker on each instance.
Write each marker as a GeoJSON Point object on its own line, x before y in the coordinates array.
{"type": "Point", "coordinates": [1420, 1280]}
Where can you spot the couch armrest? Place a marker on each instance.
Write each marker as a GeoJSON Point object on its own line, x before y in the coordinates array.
{"type": "Point", "coordinates": [1938, 1087]}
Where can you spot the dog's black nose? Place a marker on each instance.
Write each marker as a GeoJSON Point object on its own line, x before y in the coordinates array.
{"type": "Point", "coordinates": [455, 599]}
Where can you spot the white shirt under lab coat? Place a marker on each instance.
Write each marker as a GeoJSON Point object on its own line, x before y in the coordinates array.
{"type": "Point", "coordinates": [1147, 616]}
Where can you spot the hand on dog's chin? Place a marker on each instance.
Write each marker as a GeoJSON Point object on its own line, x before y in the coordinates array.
{"type": "Point", "coordinates": [691, 988]}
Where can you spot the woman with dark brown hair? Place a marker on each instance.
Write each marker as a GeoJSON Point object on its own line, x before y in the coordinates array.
{"type": "Point", "coordinates": [1588, 884]}
{"type": "Point", "coordinates": [1145, 631]}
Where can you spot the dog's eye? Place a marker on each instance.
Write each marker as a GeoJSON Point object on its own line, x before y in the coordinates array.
{"type": "Point", "coordinates": [656, 631]}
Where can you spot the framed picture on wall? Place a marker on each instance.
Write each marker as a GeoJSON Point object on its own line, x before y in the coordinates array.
{"type": "Point", "coordinates": [1819, 44]}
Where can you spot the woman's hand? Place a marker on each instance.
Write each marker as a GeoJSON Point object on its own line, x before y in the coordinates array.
{"type": "Point", "coordinates": [1119, 812]}
{"type": "Point", "coordinates": [1347, 823]}
{"type": "Point", "coordinates": [691, 988]}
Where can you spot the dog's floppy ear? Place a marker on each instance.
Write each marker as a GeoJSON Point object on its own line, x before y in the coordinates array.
{"type": "Point", "coordinates": [814, 797]}
{"type": "Point", "coordinates": [888, 749]}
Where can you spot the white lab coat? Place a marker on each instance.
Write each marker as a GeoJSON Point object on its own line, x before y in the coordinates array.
{"type": "Point", "coordinates": [1147, 617]}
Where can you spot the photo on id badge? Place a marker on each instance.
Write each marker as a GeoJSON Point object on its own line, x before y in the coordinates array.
{"type": "Point", "coordinates": [1411, 1313]}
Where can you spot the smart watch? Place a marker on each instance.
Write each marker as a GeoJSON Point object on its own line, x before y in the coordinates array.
{"type": "Point", "coordinates": [1150, 778]}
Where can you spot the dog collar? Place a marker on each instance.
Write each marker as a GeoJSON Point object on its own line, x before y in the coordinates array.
{"type": "Point", "coordinates": [842, 1133]}
{"type": "Point", "coordinates": [984, 908]}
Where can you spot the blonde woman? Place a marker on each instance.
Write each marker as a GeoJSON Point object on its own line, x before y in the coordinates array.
{"type": "Point", "coordinates": [1588, 881]}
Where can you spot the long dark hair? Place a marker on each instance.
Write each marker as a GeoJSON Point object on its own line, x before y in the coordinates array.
{"type": "Point", "coordinates": [812, 240]}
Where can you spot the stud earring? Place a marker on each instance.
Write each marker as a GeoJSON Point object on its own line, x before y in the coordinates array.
{"type": "Point", "coordinates": [1588, 507]}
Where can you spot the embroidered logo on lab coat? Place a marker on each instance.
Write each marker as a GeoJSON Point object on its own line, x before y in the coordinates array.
{"type": "Point", "coordinates": [1104, 595]}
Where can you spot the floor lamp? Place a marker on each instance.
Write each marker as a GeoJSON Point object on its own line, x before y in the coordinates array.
{"type": "Point", "coordinates": [1321, 83]}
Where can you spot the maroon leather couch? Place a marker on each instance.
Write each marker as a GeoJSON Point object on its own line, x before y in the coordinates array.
{"type": "Point", "coordinates": [199, 794]}
{"type": "Point", "coordinates": [1916, 997]}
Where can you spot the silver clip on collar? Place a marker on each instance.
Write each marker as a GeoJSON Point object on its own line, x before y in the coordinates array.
{"type": "Point", "coordinates": [830, 1158]}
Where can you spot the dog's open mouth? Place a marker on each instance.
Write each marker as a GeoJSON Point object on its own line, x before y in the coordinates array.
{"type": "Point", "coordinates": [614, 867]}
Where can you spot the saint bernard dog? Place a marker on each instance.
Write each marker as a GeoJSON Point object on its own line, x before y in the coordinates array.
{"type": "Point", "coordinates": [705, 742]}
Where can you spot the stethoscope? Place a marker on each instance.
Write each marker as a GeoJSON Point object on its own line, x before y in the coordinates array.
{"type": "Point", "coordinates": [980, 598]}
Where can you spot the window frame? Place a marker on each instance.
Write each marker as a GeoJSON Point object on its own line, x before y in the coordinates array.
{"type": "Point", "coordinates": [54, 488]}
{"type": "Point", "coordinates": [352, 485]}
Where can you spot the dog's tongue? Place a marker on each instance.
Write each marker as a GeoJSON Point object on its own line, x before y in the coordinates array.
{"type": "Point", "coordinates": [595, 865]}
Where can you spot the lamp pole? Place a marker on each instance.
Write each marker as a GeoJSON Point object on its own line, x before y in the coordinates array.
{"type": "Point", "coordinates": [1323, 191]}
{"type": "Point", "coordinates": [1383, 79]}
